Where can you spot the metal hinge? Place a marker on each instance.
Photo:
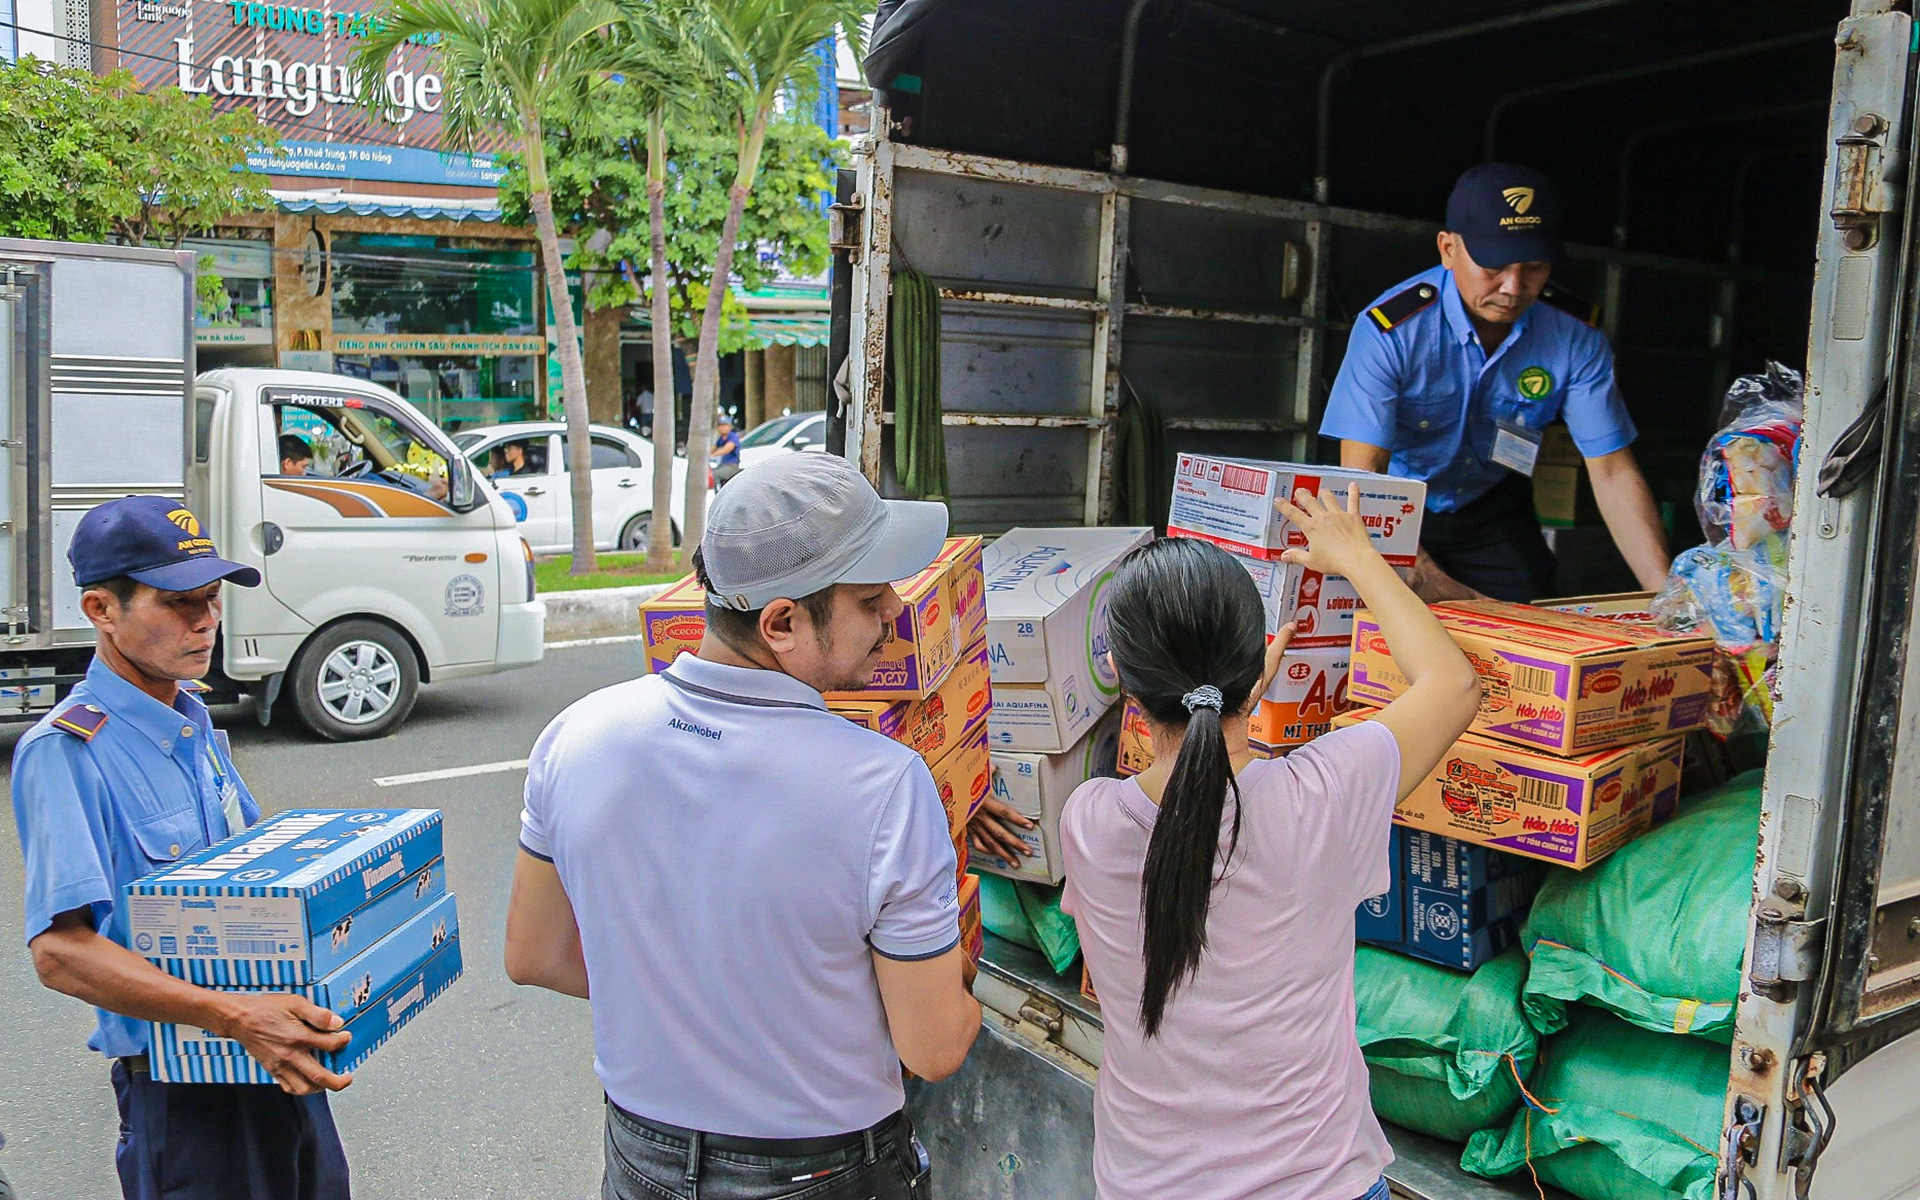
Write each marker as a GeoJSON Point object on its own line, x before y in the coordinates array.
{"type": "Point", "coordinates": [846, 226]}
{"type": "Point", "coordinates": [1043, 1015]}
{"type": "Point", "coordinates": [1861, 191]}
{"type": "Point", "coordinates": [1786, 951]}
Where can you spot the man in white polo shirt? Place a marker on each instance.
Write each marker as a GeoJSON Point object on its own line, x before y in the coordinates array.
{"type": "Point", "coordinates": [756, 895]}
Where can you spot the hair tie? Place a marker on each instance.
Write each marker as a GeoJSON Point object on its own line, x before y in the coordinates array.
{"type": "Point", "coordinates": [1205, 696]}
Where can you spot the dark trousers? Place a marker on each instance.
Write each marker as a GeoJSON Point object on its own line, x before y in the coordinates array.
{"type": "Point", "coordinates": [224, 1141]}
{"type": "Point", "coordinates": [647, 1161]}
{"type": "Point", "coordinates": [1493, 544]}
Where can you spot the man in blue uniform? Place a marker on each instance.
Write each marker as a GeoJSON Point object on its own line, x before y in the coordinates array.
{"type": "Point", "coordinates": [1452, 375]}
{"type": "Point", "coordinates": [124, 777]}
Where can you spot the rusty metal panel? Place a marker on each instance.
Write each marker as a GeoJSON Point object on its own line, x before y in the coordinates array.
{"type": "Point", "coordinates": [977, 233]}
{"type": "Point", "coordinates": [1212, 368]}
{"type": "Point", "coordinates": [1002, 360]}
{"type": "Point", "coordinates": [1211, 258]}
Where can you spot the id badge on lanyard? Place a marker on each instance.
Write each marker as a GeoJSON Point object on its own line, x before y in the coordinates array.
{"type": "Point", "coordinates": [1516, 447]}
{"type": "Point", "coordinates": [224, 783]}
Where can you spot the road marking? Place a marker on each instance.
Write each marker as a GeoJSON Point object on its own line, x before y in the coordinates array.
{"type": "Point", "coordinates": [599, 641]}
{"type": "Point", "coordinates": [492, 768]}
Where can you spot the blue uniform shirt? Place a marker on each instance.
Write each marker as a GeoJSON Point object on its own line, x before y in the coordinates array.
{"type": "Point", "coordinates": [153, 784]}
{"type": "Point", "coordinates": [1427, 391]}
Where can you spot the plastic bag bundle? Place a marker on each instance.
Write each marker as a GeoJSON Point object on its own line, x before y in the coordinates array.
{"type": "Point", "coordinates": [1746, 476]}
{"type": "Point", "coordinates": [1734, 595]}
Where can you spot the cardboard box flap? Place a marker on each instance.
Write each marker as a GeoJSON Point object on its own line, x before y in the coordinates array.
{"type": "Point", "coordinates": [1547, 629]}
{"type": "Point", "coordinates": [1032, 572]}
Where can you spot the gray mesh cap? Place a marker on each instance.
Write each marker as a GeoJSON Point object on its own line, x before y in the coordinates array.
{"type": "Point", "coordinates": [797, 523]}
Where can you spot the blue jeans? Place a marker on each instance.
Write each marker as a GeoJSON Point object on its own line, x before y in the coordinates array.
{"type": "Point", "coordinates": [1377, 1192]}
{"type": "Point", "coordinates": [645, 1163]}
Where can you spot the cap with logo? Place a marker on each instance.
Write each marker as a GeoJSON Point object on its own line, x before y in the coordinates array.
{"type": "Point", "coordinates": [151, 540]}
{"type": "Point", "coordinates": [1506, 214]}
{"type": "Point", "coordinates": [795, 524]}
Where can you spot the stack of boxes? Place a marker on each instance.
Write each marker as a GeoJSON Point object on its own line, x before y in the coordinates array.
{"type": "Point", "coordinates": [1575, 751]}
{"type": "Point", "coordinates": [349, 908]}
{"type": "Point", "coordinates": [932, 690]}
{"type": "Point", "coordinates": [1052, 725]}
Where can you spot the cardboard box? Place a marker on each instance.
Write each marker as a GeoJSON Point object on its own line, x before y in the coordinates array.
{"type": "Point", "coordinates": [1046, 633]}
{"type": "Point", "coordinates": [371, 1028]}
{"type": "Point", "coordinates": [964, 775]}
{"type": "Point", "coordinates": [673, 623]}
{"type": "Point", "coordinates": [961, 850]}
{"type": "Point", "coordinates": [1555, 681]}
{"type": "Point", "coordinates": [1037, 786]}
{"type": "Point", "coordinates": [1230, 502]}
{"type": "Point", "coordinates": [347, 990]}
{"type": "Point", "coordinates": [1321, 606]}
{"type": "Point", "coordinates": [1450, 902]}
{"type": "Point", "coordinates": [1628, 608]}
{"type": "Point", "coordinates": [964, 560]}
{"type": "Point", "coordinates": [1135, 753]}
{"type": "Point", "coordinates": [1309, 688]}
{"type": "Point", "coordinates": [262, 907]}
{"type": "Point", "coordinates": [1568, 811]}
{"type": "Point", "coordinates": [972, 932]}
{"type": "Point", "coordinates": [1562, 494]}
{"type": "Point", "coordinates": [1086, 983]}
{"type": "Point", "coordinates": [937, 723]}
{"type": "Point", "coordinates": [1383, 918]}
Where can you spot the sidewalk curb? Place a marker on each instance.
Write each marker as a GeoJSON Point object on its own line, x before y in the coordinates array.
{"type": "Point", "coordinates": [596, 612]}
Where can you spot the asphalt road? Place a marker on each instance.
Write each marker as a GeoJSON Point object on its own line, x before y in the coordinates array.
{"type": "Point", "coordinates": [490, 1092]}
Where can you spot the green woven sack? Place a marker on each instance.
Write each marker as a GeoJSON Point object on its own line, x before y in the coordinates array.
{"type": "Point", "coordinates": [1446, 1051]}
{"type": "Point", "coordinates": [1622, 1114]}
{"type": "Point", "coordinates": [1655, 932]}
{"type": "Point", "coordinates": [1029, 914]}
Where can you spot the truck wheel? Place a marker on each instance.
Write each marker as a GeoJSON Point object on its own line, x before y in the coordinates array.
{"type": "Point", "coordinates": [356, 680]}
{"type": "Point", "coordinates": [638, 530]}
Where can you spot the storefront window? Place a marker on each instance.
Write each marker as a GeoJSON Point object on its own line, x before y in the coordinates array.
{"type": "Point", "coordinates": [240, 311]}
{"type": "Point", "coordinates": [400, 283]}
{"type": "Point", "coordinates": [455, 392]}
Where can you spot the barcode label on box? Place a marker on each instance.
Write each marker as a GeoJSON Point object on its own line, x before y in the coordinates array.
{"type": "Point", "coordinates": [1533, 679]}
{"type": "Point", "coordinates": [1549, 793]}
{"type": "Point", "coordinates": [237, 947]}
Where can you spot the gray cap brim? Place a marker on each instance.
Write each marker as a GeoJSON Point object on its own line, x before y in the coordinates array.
{"type": "Point", "coordinates": [916, 532]}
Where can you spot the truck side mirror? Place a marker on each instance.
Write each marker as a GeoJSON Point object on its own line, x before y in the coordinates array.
{"type": "Point", "coordinates": [462, 495]}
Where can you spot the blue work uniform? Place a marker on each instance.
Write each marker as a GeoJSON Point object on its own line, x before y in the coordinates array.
{"type": "Point", "coordinates": [1417, 382]}
{"type": "Point", "coordinates": [109, 787]}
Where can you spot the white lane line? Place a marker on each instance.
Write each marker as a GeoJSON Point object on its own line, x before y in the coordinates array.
{"type": "Point", "coordinates": [492, 768]}
{"type": "Point", "coordinates": [599, 641]}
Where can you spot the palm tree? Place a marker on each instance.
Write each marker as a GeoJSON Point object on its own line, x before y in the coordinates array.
{"type": "Point", "coordinates": [769, 48]}
{"type": "Point", "coordinates": [503, 64]}
{"type": "Point", "coordinates": [668, 56]}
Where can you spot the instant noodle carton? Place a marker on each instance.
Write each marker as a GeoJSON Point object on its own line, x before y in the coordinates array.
{"type": "Point", "coordinates": [673, 622]}
{"type": "Point", "coordinates": [932, 725]}
{"type": "Point", "coordinates": [1086, 983]}
{"type": "Point", "coordinates": [964, 561]}
{"type": "Point", "coordinates": [289, 899]}
{"type": "Point", "coordinates": [1046, 633]}
{"type": "Point", "coordinates": [973, 935]}
{"type": "Point", "coordinates": [1321, 606]}
{"type": "Point", "coordinates": [1136, 741]}
{"type": "Point", "coordinates": [1555, 681]}
{"type": "Point", "coordinates": [1231, 503]}
{"type": "Point", "coordinates": [1630, 608]}
{"type": "Point", "coordinates": [1306, 692]}
{"type": "Point", "coordinates": [964, 774]}
{"type": "Point", "coordinates": [961, 850]}
{"type": "Point", "coordinates": [1037, 786]}
{"type": "Point", "coordinates": [1568, 811]}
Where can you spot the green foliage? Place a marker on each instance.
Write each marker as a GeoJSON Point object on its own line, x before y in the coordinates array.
{"type": "Point", "coordinates": [597, 166]}
{"type": "Point", "coordinates": [83, 158]}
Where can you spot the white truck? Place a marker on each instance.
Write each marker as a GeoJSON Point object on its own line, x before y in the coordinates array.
{"type": "Point", "coordinates": [387, 561]}
{"type": "Point", "coordinates": [1126, 200]}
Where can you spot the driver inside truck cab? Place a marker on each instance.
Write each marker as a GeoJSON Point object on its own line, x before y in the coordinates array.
{"type": "Point", "coordinates": [296, 456]}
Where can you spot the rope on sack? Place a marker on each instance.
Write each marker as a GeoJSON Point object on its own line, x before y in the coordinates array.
{"type": "Point", "coordinates": [913, 347]}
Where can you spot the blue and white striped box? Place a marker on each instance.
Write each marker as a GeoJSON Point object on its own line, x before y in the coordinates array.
{"type": "Point", "coordinates": [371, 1028]}
{"type": "Point", "coordinates": [346, 991]}
{"type": "Point", "coordinates": [263, 907]}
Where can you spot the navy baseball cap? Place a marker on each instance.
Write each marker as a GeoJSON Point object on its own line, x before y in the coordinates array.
{"type": "Point", "coordinates": [1506, 214]}
{"type": "Point", "coordinates": [151, 540]}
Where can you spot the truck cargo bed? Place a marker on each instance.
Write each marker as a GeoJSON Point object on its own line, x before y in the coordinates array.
{"type": "Point", "coordinates": [1017, 1120]}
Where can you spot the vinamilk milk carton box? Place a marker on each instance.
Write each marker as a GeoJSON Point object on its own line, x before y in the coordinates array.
{"type": "Point", "coordinates": [267, 905]}
{"type": "Point", "coordinates": [1046, 633]}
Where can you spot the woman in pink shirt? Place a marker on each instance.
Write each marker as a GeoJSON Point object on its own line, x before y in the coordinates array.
{"type": "Point", "coordinates": [1215, 892]}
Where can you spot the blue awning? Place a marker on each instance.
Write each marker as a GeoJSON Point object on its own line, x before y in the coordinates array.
{"type": "Point", "coordinates": [421, 212]}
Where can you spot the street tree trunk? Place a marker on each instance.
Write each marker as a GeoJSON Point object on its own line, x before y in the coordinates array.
{"type": "Point", "coordinates": [660, 538]}
{"type": "Point", "coordinates": [706, 373]}
{"type": "Point", "coordinates": [573, 372]}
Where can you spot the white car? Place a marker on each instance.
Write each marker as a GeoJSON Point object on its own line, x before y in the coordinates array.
{"type": "Point", "coordinates": [795, 431]}
{"type": "Point", "coordinates": [536, 485]}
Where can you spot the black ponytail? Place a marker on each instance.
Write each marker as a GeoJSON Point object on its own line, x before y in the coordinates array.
{"type": "Point", "coordinates": [1185, 627]}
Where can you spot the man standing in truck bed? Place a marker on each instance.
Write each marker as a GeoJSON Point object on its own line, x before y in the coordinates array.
{"type": "Point", "coordinates": [1452, 376]}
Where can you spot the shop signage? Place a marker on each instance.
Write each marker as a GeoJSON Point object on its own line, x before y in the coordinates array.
{"type": "Point", "coordinates": [483, 344]}
{"type": "Point", "coordinates": [292, 65]}
{"type": "Point", "coordinates": [215, 335]}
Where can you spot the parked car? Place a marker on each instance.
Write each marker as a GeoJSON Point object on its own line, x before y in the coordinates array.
{"type": "Point", "coordinates": [794, 431]}
{"type": "Point", "coordinates": [535, 483]}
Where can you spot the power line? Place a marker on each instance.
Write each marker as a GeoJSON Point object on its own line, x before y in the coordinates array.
{"type": "Point", "coordinates": [358, 139]}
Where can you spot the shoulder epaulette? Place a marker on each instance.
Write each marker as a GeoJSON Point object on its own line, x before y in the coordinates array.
{"type": "Point", "coordinates": [1398, 307]}
{"type": "Point", "coordinates": [1571, 302]}
{"type": "Point", "coordinates": [194, 687]}
{"type": "Point", "coordinates": [80, 720]}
